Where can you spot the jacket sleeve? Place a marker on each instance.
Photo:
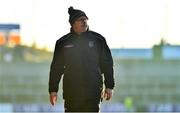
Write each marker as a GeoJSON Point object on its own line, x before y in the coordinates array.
{"type": "Point", "coordinates": [107, 66]}
{"type": "Point", "coordinates": [56, 68]}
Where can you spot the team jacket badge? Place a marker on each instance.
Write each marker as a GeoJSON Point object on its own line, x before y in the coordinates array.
{"type": "Point", "coordinates": [91, 44]}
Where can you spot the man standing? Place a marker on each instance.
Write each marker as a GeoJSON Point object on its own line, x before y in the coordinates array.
{"type": "Point", "coordinates": [83, 58]}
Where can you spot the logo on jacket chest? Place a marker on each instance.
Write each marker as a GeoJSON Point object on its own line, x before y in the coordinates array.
{"type": "Point", "coordinates": [91, 44]}
{"type": "Point", "coordinates": [68, 46]}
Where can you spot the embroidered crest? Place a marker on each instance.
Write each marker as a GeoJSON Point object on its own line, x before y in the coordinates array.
{"type": "Point", "coordinates": [91, 44]}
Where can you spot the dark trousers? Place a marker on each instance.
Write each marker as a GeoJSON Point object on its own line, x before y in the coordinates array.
{"type": "Point", "coordinates": [81, 106]}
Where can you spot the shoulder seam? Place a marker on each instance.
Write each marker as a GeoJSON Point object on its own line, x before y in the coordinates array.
{"type": "Point", "coordinates": [98, 35]}
{"type": "Point", "coordinates": [64, 37]}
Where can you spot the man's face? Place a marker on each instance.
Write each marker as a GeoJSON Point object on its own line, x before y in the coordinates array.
{"type": "Point", "coordinates": [80, 25]}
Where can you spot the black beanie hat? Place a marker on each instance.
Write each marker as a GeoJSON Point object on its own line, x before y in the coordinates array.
{"type": "Point", "coordinates": [75, 14]}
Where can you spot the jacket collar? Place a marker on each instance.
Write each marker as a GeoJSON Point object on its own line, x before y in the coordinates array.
{"type": "Point", "coordinates": [72, 31]}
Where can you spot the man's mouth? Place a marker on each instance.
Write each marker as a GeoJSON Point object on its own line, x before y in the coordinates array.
{"type": "Point", "coordinates": [84, 25]}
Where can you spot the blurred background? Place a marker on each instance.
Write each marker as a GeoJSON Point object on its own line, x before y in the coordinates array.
{"type": "Point", "coordinates": [143, 36]}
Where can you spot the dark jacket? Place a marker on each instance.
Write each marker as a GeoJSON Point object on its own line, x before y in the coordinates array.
{"type": "Point", "coordinates": [83, 59]}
